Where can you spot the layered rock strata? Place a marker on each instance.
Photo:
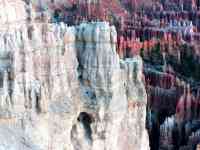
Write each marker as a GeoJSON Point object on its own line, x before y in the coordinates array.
{"type": "Point", "coordinates": [66, 88]}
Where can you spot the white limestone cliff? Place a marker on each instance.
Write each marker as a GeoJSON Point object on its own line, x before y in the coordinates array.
{"type": "Point", "coordinates": [65, 88]}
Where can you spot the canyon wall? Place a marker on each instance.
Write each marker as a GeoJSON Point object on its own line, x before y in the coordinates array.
{"type": "Point", "coordinates": [65, 88]}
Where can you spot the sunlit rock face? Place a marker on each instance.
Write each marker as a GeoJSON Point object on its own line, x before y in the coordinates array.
{"type": "Point", "coordinates": [65, 88]}
{"type": "Point", "coordinates": [12, 11]}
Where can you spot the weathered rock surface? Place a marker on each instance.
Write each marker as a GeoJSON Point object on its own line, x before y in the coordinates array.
{"type": "Point", "coordinates": [65, 88]}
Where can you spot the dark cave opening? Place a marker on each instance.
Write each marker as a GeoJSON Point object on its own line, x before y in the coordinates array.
{"type": "Point", "coordinates": [38, 106]}
{"type": "Point", "coordinates": [86, 119]}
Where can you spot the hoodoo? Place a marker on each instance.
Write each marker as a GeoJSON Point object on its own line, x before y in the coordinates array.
{"type": "Point", "coordinates": [65, 87]}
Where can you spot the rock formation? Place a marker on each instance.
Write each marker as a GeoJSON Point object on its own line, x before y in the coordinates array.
{"type": "Point", "coordinates": [65, 88]}
{"type": "Point", "coordinates": [50, 61]}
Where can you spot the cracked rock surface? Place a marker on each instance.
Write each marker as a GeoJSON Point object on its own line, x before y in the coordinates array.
{"type": "Point", "coordinates": [65, 88]}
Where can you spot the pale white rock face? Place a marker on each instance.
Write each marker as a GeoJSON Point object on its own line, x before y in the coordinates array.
{"type": "Point", "coordinates": [65, 88]}
{"type": "Point", "coordinates": [12, 12]}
